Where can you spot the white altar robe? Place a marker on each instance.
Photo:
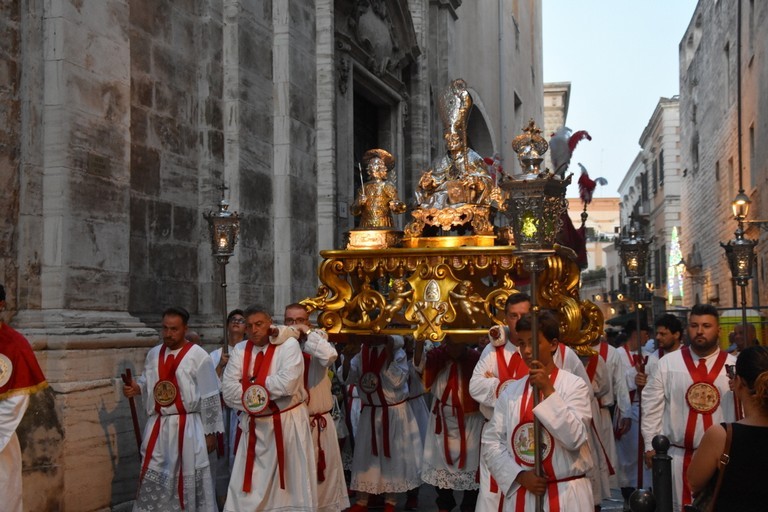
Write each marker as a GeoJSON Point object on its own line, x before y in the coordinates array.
{"type": "Point", "coordinates": [12, 411]}
{"type": "Point", "coordinates": [332, 491]}
{"type": "Point", "coordinates": [199, 389]}
{"type": "Point", "coordinates": [399, 472]}
{"type": "Point", "coordinates": [286, 388]}
{"type": "Point", "coordinates": [566, 415]}
{"type": "Point", "coordinates": [626, 445]}
{"type": "Point", "coordinates": [435, 469]}
{"type": "Point", "coordinates": [665, 410]}
{"type": "Point", "coordinates": [483, 389]}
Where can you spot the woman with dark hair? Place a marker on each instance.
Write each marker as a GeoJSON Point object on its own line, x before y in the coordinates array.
{"type": "Point", "coordinates": [743, 488]}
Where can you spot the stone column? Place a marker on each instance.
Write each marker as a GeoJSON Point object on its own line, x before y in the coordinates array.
{"type": "Point", "coordinates": [294, 151]}
{"type": "Point", "coordinates": [326, 132]}
{"type": "Point", "coordinates": [71, 292]}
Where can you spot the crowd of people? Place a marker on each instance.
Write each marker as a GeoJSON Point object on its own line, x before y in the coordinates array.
{"type": "Point", "coordinates": [282, 419]}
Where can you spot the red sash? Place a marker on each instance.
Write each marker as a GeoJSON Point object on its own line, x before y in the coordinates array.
{"type": "Point", "coordinates": [319, 422]}
{"type": "Point", "coordinates": [307, 360]}
{"type": "Point", "coordinates": [166, 370]}
{"type": "Point", "coordinates": [452, 390]}
{"type": "Point", "coordinates": [698, 375]}
{"type": "Point", "coordinates": [604, 350]}
{"type": "Point", "coordinates": [526, 415]}
{"type": "Point", "coordinates": [259, 374]}
{"type": "Point", "coordinates": [512, 370]}
{"type": "Point", "coordinates": [637, 362]}
{"type": "Point", "coordinates": [374, 364]}
{"type": "Point", "coordinates": [592, 367]}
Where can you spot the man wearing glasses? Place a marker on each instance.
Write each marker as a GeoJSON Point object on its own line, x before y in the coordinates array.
{"type": "Point", "coordinates": [687, 393]}
{"type": "Point", "coordinates": [319, 356]}
{"type": "Point", "coordinates": [235, 334]}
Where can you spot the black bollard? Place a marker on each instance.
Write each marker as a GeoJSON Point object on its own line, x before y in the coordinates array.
{"type": "Point", "coordinates": [642, 500]}
{"type": "Point", "coordinates": [662, 474]}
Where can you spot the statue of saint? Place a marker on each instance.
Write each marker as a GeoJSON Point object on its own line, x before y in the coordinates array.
{"type": "Point", "coordinates": [377, 200]}
{"type": "Point", "coordinates": [456, 192]}
{"type": "Point", "coordinates": [460, 176]}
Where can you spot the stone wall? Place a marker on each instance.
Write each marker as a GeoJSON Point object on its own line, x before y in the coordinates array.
{"type": "Point", "coordinates": [128, 117]}
{"type": "Point", "coordinates": [709, 149]}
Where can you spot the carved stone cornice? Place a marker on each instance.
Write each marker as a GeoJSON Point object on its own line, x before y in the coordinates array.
{"type": "Point", "coordinates": [380, 34]}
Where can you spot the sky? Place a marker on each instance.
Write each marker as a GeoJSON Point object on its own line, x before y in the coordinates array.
{"type": "Point", "coordinates": [620, 56]}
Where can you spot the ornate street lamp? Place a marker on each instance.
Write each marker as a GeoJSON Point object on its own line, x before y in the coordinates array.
{"type": "Point", "coordinates": [224, 227]}
{"type": "Point", "coordinates": [633, 251]}
{"type": "Point", "coordinates": [535, 205]}
{"type": "Point", "coordinates": [740, 253]}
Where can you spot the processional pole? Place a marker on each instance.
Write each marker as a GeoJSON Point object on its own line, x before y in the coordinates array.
{"type": "Point", "coordinates": [536, 204]}
{"type": "Point", "coordinates": [633, 251]}
{"type": "Point", "coordinates": [224, 228]}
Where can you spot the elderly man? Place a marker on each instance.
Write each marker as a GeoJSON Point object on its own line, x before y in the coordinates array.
{"type": "Point", "coordinates": [319, 356]}
{"type": "Point", "coordinates": [274, 468]}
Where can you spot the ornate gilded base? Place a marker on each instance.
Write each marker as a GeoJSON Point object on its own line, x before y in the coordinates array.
{"type": "Point", "coordinates": [373, 238]}
{"type": "Point", "coordinates": [434, 292]}
{"type": "Point", "coordinates": [450, 241]}
{"type": "Point", "coordinates": [470, 215]}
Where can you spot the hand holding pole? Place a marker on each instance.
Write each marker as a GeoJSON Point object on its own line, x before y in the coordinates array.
{"type": "Point", "coordinates": [128, 381]}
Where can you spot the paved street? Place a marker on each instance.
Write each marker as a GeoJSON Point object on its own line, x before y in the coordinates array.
{"type": "Point", "coordinates": [427, 501]}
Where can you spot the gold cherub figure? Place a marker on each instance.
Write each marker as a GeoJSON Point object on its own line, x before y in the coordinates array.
{"type": "Point", "coordinates": [377, 199]}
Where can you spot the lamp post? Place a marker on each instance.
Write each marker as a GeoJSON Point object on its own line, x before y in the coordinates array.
{"type": "Point", "coordinates": [224, 227]}
{"type": "Point", "coordinates": [535, 205]}
{"type": "Point", "coordinates": [740, 253]}
{"type": "Point", "coordinates": [633, 251]}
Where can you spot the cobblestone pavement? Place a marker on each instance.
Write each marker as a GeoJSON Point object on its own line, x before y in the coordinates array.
{"type": "Point", "coordinates": [427, 497]}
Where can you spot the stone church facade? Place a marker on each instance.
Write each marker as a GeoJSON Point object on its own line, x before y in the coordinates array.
{"type": "Point", "coordinates": [121, 120]}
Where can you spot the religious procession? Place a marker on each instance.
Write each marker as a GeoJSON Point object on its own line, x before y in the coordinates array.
{"type": "Point", "coordinates": [453, 355]}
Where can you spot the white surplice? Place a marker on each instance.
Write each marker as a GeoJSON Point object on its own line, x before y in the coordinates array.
{"type": "Point", "coordinates": [332, 491]}
{"type": "Point", "coordinates": [618, 397]}
{"type": "Point", "coordinates": [566, 415]}
{"type": "Point", "coordinates": [286, 388]}
{"type": "Point", "coordinates": [199, 389]}
{"type": "Point", "coordinates": [665, 409]}
{"type": "Point", "coordinates": [626, 445]}
{"type": "Point", "coordinates": [605, 453]}
{"type": "Point", "coordinates": [435, 468]}
{"type": "Point", "coordinates": [483, 387]}
{"type": "Point", "coordinates": [12, 410]}
{"type": "Point", "coordinates": [378, 474]}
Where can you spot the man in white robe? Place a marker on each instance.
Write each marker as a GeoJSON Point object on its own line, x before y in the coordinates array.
{"type": "Point", "coordinates": [627, 439]}
{"type": "Point", "coordinates": [319, 357]}
{"type": "Point", "coordinates": [686, 394]}
{"type": "Point", "coordinates": [221, 461]}
{"type": "Point", "coordinates": [618, 398]}
{"type": "Point", "coordinates": [492, 373]}
{"type": "Point", "coordinates": [669, 333]}
{"type": "Point", "coordinates": [452, 445]}
{"type": "Point", "coordinates": [20, 376]}
{"type": "Point", "coordinates": [387, 456]}
{"type": "Point", "coordinates": [600, 380]}
{"type": "Point", "coordinates": [274, 468]}
{"type": "Point", "coordinates": [564, 412]}
{"type": "Point", "coordinates": [181, 399]}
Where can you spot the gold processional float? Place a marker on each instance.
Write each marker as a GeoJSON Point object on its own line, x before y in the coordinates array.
{"type": "Point", "coordinates": [451, 270]}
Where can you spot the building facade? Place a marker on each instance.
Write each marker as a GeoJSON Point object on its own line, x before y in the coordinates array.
{"type": "Point", "coordinates": [723, 63]}
{"type": "Point", "coordinates": [650, 198]}
{"type": "Point", "coordinates": [124, 120]}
